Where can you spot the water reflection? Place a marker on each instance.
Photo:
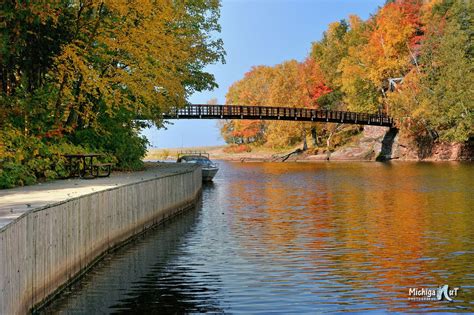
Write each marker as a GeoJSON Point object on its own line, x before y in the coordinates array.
{"type": "Point", "coordinates": [380, 228]}
{"type": "Point", "coordinates": [280, 237]}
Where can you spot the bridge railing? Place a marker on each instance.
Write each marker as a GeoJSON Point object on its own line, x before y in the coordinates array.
{"type": "Point", "coordinates": [284, 113]}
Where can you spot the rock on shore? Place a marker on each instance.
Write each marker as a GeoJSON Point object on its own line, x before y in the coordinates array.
{"type": "Point", "coordinates": [382, 143]}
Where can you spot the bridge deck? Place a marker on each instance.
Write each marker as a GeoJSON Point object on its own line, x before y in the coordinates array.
{"type": "Point", "coordinates": [277, 113]}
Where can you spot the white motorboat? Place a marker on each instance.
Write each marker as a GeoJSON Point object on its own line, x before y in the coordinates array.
{"type": "Point", "coordinates": [209, 168]}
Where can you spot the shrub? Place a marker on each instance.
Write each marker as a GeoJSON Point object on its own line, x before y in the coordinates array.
{"type": "Point", "coordinates": [122, 146]}
{"type": "Point", "coordinates": [13, 174]}
{"type": "Point", "coordinates": [27, 159]}
{"type": "Point", "coordinates": [238, 148]}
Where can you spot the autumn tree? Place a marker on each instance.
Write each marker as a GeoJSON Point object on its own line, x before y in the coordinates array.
{"type": "Point", "coordinates": [437, 96]}
{"type": "Point", "coordinates": [289, 84]}
{"type": "Point", "coordinates": [412, 59]}
{"type": "Point", "coordinates": [327, 54]}
{"type": "Point", "coordinates": [296, 84]}
{"type": "Point", "coordinates": [382, 48]}
{"type": "Point", "coordinates": [253, 89]}
{"type": "Point", "coordinates": [143, 57]}
{"type": "Point", "coordinates": [83, 71]}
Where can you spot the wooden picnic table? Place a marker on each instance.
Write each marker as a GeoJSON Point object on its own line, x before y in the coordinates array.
{"type": "Point", "coordinates": [82, 165]}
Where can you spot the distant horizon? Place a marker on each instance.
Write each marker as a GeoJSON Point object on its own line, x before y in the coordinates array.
{"type": "Point", "coordinates": [255, 33]}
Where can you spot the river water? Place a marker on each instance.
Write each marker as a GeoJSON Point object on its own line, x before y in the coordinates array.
{"type": "Point", "coordinates": [299, 238]}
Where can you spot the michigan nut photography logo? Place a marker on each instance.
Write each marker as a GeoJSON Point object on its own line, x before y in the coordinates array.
{"type": "Point", "coordinates": [433, 294]}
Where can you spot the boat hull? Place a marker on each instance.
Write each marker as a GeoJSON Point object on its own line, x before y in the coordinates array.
{"type": "Point", "coordinates": [208, 174]}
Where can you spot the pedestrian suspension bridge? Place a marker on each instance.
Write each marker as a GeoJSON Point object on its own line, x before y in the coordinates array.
{"type": "Point", "coordinates": [196, 111]}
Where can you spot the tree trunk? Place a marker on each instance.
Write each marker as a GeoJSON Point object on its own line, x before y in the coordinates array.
{"type": "Point", "coordinates": [328, 140]}
{"type": "Point", "coordinates": [331, 133]}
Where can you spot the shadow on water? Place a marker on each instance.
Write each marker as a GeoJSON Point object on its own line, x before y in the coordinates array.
{"type": "Point", "coordinates": [138, 279]}
{"type": "Point", "coordinates": [208, 186]}
{"type": "Point", "coordinates": [167, 292]}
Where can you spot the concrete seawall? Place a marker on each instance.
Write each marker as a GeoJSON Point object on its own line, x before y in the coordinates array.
{"type": "Point", "coordinates": [47, 247]}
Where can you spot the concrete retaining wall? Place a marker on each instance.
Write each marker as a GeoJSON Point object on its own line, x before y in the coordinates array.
{"type": "Point", "coordinates": [46, 248]}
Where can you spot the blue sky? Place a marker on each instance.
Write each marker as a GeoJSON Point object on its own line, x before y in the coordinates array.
{"type": "Point", "coordinates": [258, 32]}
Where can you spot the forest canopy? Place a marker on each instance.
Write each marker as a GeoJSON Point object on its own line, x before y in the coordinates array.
{"type": "Point", "coordinates": [75, 75]}
{"type": "Point", "coordinates": [412, 59]}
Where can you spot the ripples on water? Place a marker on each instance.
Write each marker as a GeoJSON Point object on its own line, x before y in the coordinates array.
{"type": "Point", "coordinates": [293, 237]}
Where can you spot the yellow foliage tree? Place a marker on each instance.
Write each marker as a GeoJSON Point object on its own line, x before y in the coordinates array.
{"type": "Point", "coordinates": [141, 57]}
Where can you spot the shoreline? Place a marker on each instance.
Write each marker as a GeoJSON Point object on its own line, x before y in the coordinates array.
{"type": "Point", "coordinates": [275, 156]}
{"type": "Point", "coordinates": [374, 143]}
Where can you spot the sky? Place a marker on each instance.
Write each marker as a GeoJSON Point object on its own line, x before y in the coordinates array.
{"type": "Point", "coordinates": [257, 32]}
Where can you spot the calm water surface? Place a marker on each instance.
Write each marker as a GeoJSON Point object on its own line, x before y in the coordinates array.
{"type": "Point", "coordinates": [282, 237]}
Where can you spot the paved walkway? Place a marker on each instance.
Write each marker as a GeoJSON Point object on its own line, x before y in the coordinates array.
{"type": "Point", "coordinates": [16, 201]}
